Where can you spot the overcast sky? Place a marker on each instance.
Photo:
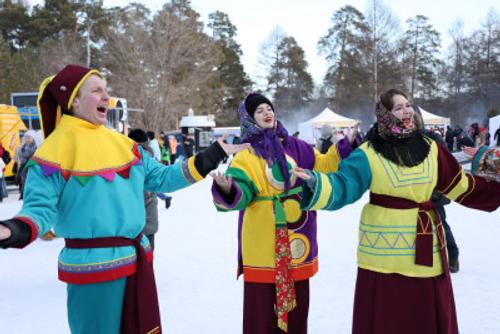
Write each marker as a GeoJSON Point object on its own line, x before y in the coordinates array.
{"type": "Point", "coordinates": [307, 21]}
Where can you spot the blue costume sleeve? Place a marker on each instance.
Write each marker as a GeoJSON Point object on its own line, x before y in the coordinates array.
{"type": "Point", "coordinates": [334, 190]}
{"type": "Point", "coordinates": [41, 198]}
{"type": "Point", "coordinates": [161, 178]}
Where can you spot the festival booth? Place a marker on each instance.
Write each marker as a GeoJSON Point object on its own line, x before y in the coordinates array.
{"type": "Point", "coordinates": [199, 125]}
{"type": "Point", "coordinates": [432, 120]}
{"type": "Point", "coordinates": [309, 131]}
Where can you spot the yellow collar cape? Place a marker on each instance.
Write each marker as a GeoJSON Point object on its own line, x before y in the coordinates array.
{"type": "Point", "coordinates": [81, 149]}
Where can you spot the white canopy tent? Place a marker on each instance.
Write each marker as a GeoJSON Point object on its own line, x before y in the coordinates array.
{"type": "Point", "coordinates": [310, 129]}
{"type": "Point", "coordinates": [494, 124]}
{"type": "Point", "coordinates": [434, 120]}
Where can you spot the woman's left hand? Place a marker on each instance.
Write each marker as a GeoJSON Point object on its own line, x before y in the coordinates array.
{"type": "Point", "coordinates": [301, 173]}
{"type": "Point", "coordinates": [232, 148]}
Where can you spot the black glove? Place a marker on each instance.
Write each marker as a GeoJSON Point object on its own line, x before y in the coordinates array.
{"type": "Point", "coordinates": [20, 234]}
{"type": "Point", "coordinates": [208, 159]}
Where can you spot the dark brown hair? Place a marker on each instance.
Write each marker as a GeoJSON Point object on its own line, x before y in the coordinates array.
{"type": "Point", "coordinates": [385, 99]}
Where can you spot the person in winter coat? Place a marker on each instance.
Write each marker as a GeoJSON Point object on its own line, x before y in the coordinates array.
{"type": "Point", "coordinates": [278, 250]}
{"type": "Point", "coordinates": [326, 139]}
{"type": "Point", "coordinates": [150, 199]}
{"type": "Point", "coordinates": [22, 156]}
{"type": "Point", "coordinates": [173, 144]}
{"type": "Point", "coordinates": [449, 137]}
{"type": "Point", "coordinates": [3, 188]}
{"type": "Point", "coordinates": [463, 139]}
{"type": "Point", "coordinates": [188, 145]}
{"type": "Point", "coordinates": [154, 145]}
{"type": "Point", "coordinates": [403, 283]}
{"type": "Point", "coordinates": [4, 161]}
{"type": "Point", "coordinates": [87, 182]}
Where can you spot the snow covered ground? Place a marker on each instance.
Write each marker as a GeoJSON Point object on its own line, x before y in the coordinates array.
{"type": "Point", "coordinates": [195, 264]}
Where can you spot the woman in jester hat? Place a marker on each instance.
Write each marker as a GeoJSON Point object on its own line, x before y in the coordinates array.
{"type": "Point", "coordinates": [87, 182]}
{"type": "Point", "coordinates": [403, 283]}
{"type": "Point", "coordinates": [278, 250]}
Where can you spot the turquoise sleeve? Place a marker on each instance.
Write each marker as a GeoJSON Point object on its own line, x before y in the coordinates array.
{"type": "Point", "coordinates": [332, 191]}
{"type": "Point", "coordinates": [41, 198]}
{"type": "Point", "coordinates": [162, 178]}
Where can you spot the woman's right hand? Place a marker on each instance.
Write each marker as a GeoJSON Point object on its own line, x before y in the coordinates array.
{"type": "Point", "coordinates": [5, 232]}
{"type": "Point", "coordinates": [224, 182]}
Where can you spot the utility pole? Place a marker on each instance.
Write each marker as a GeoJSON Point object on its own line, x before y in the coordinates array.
{"type": "Point", "coordinates": [90, 23]}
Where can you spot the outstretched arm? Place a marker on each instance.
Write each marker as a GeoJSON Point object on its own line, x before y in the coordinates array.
{"type": "Point", "coordinates": [39, 212]}
{"type": "Point", "coordinates": [466, 189]}
{"type": "Point", "coordinates": [235, 189]}
{"type": "Point", "coordinates": [335, 190]}
{"type": "Point", "coordinates": [160, 178]}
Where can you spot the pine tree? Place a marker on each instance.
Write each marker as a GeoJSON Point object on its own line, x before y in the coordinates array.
{"type": "Point", "coordinates": [294, 85]}
{"type": "Point", "coordinates": [421, 49]}
{"type": "Point", "coordinates": [232, 82]}
{"type": "Point", "coordinates": [348, 72]}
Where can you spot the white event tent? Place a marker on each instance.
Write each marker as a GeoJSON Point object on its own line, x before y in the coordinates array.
{"type": "Point", "coordinates": [309, 130]}
{"type": "Point", "coordinates": [434, 120]}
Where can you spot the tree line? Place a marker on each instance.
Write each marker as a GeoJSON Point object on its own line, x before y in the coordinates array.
{"type": "Point", "coordinates": [168, 61]}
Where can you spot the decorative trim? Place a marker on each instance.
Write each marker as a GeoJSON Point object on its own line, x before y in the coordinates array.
{"type": "Point", "coordinates": [86, 274]}
{"type": "Point", "coordinates": [108, 174]}
{"type": "Point", "coordinates": [35, 229]}
{"type": "Point", "coordinates": [477, 158]}
{"type": "Point", "coordinates": [299, 272]}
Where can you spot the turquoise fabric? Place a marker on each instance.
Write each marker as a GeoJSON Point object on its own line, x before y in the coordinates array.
{"type": "Point", "coordinates": [93, 308]}
{"type": "Point", "coordinates": [98, 209]}
{"type": "Point", "coordinates": [349, 183]}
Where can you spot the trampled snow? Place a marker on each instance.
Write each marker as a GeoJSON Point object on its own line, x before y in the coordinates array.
{"type": "Point", "coordinates": [195, 261]}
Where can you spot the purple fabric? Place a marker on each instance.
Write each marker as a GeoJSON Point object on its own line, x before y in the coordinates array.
{"type": "Point", "coordinates": [268, 144]}
{"type": "Point", "coordinates": [108, 176]}
{"type": "Point", "coordinates": [344, 147]}
{"type": "Point", "coordinates": [220, 199]}
{"type": "Point", "coordinates": [48, 170]}
{"type": "Point", "coordinates": [303, 154]}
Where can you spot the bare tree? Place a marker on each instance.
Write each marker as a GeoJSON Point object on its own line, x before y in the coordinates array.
{"type": "Point", "coordinates": [163, 65]}
{"type": "Point", "coordinates": [385, 31]}
{"type": "Point", "coordinates": [269, 56]}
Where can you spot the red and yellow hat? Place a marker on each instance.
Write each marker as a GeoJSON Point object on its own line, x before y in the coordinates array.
{"type": "Point", "coordinates": [56, 94]}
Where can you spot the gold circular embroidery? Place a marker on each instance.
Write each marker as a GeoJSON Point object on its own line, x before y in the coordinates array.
{"type": "Point", "coordinates": [300, 247]}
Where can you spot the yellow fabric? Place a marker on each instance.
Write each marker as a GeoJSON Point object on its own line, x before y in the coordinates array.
{"type": "Point", "coordinates": [387, 236]}
{"type": "Point", "coordinates": [258, 233]}
{"type": "Point", "coordinates": [325, 194]}
{"type": "Point", "coordinates": [193, 171]}
{"type": "Point", "coordinates": [460, 187]}
{"type": "Point", "coordinates": [72, 147]}
{"type": "Point", "coordinates": [328, 162]}
{"type": "Point", "coordinates": [258, 230]}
